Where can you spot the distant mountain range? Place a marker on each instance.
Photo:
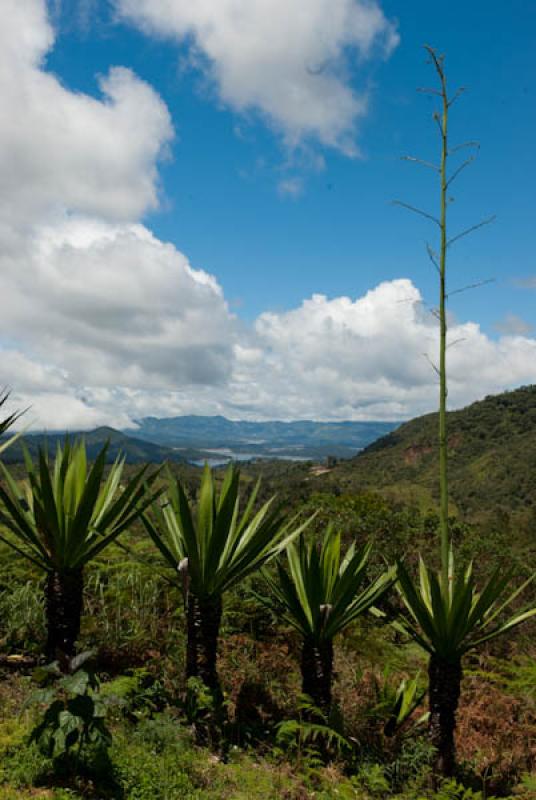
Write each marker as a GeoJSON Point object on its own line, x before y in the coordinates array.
{"type": "Point", "coordinates": [136, 451]}
{"type": "Point", "coordinates": [216, 439]}
{"type": "Point", "coordinates": [220, 437]}
{"type": "Point", "coordinates": [492, 451]}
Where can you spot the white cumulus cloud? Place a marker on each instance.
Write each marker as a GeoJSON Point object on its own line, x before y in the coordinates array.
{"type": "Point", "coordinates": [92, 302]}
{"type": "Point", "coordinates": [117, 306]}
{"type": "Point", "coordinates": [369, 358]}
{"type": "Point", "coordinates": [67, 150]}
{"type": "Point", "coordinates": [290, 60]}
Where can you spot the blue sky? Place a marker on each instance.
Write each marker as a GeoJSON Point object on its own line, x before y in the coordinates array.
{"type": "Point", "coordinates": [271, 202]}
{"type": "Point", "coordinates": [341, 236]}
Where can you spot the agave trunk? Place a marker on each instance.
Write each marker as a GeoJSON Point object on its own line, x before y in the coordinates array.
{"type": "Point", "coordinates": [444, 692]}
{"type": "Point", "coordinates": [204, 616]}
{"type": "Point", "coordinates": [317, 672]}
{"type": "Point", "coordinates": [63, 609]}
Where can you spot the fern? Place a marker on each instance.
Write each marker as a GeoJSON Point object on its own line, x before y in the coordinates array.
{"type": "Point", "coordinates": [451, 790]}
{"type": "Point", "coordinates": [310, 737]}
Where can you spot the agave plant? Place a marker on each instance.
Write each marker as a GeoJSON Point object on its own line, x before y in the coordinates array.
{"type": "Point", "coordinates": [8, 421]}
{"type": "Point", "coordinates": [320, 595]}
{"type": "Point", "coordinates": [213, 550]}
{"type": "Point", "coordinates": [63, 516]}
{"type": "Point", "coordinates": [447, 614]}
{"type": "Point", "coordinates": [447, 619]}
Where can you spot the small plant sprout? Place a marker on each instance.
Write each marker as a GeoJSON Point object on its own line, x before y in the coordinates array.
{"type": "Point", "coordinates": [7, 422]}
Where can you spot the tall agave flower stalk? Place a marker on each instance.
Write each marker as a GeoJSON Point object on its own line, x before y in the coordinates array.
{"type": "Point", "coordinates": [447, 615]}
{"type": "Point", "coordinates": [60, 519]}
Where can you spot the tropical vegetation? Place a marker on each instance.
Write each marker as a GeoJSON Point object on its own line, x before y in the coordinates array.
{"type": "Point", "coordinates": [212, 551]}
{"type": "Point", "coordinates": [62, 518]}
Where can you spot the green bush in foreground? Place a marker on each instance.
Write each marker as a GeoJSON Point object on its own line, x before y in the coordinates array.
{"type": "Point", "coordinates": [73, 725]}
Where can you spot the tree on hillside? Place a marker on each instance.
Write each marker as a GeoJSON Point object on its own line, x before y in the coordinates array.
{"type": "Point", "coordinates": [447, 615]}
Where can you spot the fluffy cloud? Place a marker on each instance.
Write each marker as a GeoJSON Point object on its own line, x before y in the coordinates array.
{"type": "Point", "coordinates": [327, 359]}
{"type": "Point", "coordinates": [66, 150]}
{"type": "Point", "coordinates": [369, 358]}
{"type": "Point", "coordinates": [114, 304]}
{"type": "Point", "coordinates": [287, 59]}
{"type": "Point", "coordinates": [91, 300]}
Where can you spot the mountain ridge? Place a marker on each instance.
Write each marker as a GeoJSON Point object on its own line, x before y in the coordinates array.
{"type": "Point", "coordinates": [196, 438]}
{"type": "Point", "coordinates": [135, 451]}
{"type": "Point", "coordinates": [341, 439]}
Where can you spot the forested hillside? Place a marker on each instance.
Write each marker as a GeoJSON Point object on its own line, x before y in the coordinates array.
{"type": "Point", "coordinates": [492, 458]}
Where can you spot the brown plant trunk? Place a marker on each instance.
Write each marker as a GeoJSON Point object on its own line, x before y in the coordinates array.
{"type": "Point", "coordinates": [444, 693]}
{"type": "Point", "coordinates": [63, 610]}
{"type": "Point", "coordinates": [203, 622]}
{"type": "Point", "coordinates": [203, 626]}
{"type": "Point", "coordinates": [317, 673]}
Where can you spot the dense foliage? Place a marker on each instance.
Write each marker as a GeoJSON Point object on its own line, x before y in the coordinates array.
{"type": "Point", "coordinates": [135, 622]}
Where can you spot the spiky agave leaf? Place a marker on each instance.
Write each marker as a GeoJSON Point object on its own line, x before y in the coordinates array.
{"type": "Point", "coordinates": [8, 421]}
{"type": "Point", "coordinates": [222, 546]}
{"type": "Point", "coordinates": [407, 699]}
{"type": "Point", "coordinates": [448, 619]}
{"type": "Point", "coordinates": [66, 514]}
{"type": "Point", "coordinates": [321, 594]}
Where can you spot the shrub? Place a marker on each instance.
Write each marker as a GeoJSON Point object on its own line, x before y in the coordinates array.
{"type": "Point", "coordinates": [72, 731]}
